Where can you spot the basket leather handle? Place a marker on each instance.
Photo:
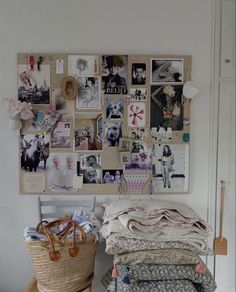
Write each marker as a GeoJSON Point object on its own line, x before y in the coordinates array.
{"type": "Point", "coordinates": [70, 225]}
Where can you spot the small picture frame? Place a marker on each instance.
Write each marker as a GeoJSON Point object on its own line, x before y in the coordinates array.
{"type": "Point", "coordinates": [125, 157]}
{"type": "Point", "coordinates": [125, 145]}
{"type": "Point", "coordinates": [69, 87]}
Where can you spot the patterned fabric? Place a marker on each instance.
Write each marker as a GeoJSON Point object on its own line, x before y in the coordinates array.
{"type": "Point", "coordinates": [153, 286]}
{"type": "Point", "coordinates": [164, 256]}
{"type": "Point", "coordinates": [118, 244]}
{"type": "Point", "coordinates": [133, 275]}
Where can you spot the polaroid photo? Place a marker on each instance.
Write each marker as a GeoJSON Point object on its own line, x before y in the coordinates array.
{"type": "Point", "coordinates": [170, 168]}
{"type": "Point", "coordinates": [136, 114]}
{"type": "Point", "coordinates": [114, 108]}
{"type": "Point", "coordinates": [167, 107]}
{"type": "Point", "coordinates": [90, 167]}
{"type": "Point", "coordinates": [89, 96]}
{"type": "Point", "coordinates": [113, 133]}
{"type": "Point", "coordinates": [138, 134]}
{"type": "Point", "coordinates": [111, 176]}
{"type": "Point", "coordinates": [125, 145]}
{"type": "Point", "coordinates": [115, 74]}
{"type": "Point", "coordinates": [88, 132]}
{"type": "Point", "coordinates": [140, 158]}
{"type": "Point", "coordinates": [61, 135]}
{"type": "Point", "coordinates": [138, 73]}
{"type": "Point", "coordinates": [125, 157]}
{"type": "Point", "coordinates": [34, 152]}
{"type": "Point", "coordinates": [61, 168]}
{"type": "Point", "coordinates": [59, 101]}
{"type": "Point", "coordinates": [82, 65]}
{"type": "Point", "coordinates": [34, 85]}
{"type": "Point", "coordinates": [167, 70]}
{"type": "Point", "coordinates": [138, 94]}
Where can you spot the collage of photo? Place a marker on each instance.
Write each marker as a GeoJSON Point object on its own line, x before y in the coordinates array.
{"type": "Point", "coordinates": [120, 104]}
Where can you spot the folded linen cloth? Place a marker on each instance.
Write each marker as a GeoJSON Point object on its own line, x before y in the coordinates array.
{"type": "Point", "coordinates": [163, 256]}
{"type": "Point", "coordinates": [148, 209]}
{"type": "Point", "coordinates": [117, 244]}
{"type": "Point", "coordinates": [31, 234]}
{"type": "Point", "coordinates": [203, 282]}
{"type": "Point", "coordinates": [90, 225]}
{"type": "Point", "coordinates": [189, 235]}
{"type": "Point", "coordinates": [131, 222]}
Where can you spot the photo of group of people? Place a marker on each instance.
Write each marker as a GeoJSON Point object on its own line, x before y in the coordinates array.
{"type": "Point", "coordinates": [140, 158]}
{"type": "Point", "coordinates": [120, 102]}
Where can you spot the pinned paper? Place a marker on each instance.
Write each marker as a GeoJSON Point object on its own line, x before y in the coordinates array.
{"type": "Point", "coordinates": [77, 181]}
{"type": "Point", "coordinates": [59, 66]}
{"type": "Point", "coordinates": [34, 182]}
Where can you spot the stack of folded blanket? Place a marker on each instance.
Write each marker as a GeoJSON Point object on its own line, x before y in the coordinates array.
{"type": "Point", "coordinates": [156, 246]}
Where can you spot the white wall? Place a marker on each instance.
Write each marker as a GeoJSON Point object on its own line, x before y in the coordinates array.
{"type": "Point", "coordinates": [96, 26]}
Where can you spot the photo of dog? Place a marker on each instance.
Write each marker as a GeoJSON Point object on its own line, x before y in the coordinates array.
{"type": "Point", "coordinates": [113, 133]}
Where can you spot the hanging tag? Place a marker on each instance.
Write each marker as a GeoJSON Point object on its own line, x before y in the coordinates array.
{"type": "Point", "coordinates": [59, 66]}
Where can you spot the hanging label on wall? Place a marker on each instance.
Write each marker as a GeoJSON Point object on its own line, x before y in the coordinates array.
{"type": "Point", "coordinates": [59, 66]}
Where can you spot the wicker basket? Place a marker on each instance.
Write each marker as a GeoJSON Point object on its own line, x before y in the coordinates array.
{"type": "Point", "coordinates": [63, 265]}
{"type": "Point", "coordinates": [32, 287]}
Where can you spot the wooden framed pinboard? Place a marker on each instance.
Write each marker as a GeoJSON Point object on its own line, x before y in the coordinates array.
{"type": "Point", "coordinates": [119, 124]}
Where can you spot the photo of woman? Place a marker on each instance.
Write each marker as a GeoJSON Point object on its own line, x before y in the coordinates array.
{"type": "Point", "coordinates": [170, 168]}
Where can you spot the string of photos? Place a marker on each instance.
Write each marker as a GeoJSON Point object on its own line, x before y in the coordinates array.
{"type": "Point", "coordinates": [103, 124]}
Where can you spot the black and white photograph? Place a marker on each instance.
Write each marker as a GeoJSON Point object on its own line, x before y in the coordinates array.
{"type": "Point", "coordinates": [61, 135]}
{"type": "Point", "coordinates": [140, 158]}
{"type": "Point", "coordinates": [34, 85]}
{"type": "Point", "coordinates": [138, 94]}
{"type": "Point", "coordinates": [88, 132]}
{"type": "Point", "coordinates": [139, 134]}
{"type": "Point", "coordinates": [167, 71]}
{"type": "Point", "coordinates": [89, 160]}
{"type": "Point", "coordinates": [125, 145]}
{"type": "Point", "coordinates": [170, 167]}
{"type": "Point", "coordinates": [166, 107]}
{"type": "Point", "coordinates": [91, 168]}
{"type": "Point", "coordinates": [114, 74]}
{"type": "Point", "coordinates": [136, 114]}
{"type": "Point", "coordinates": [59, 101]}
{"type": "Point", "coordinates": [114, 108]}
{"type": "Point", "coordinates": [61, 168]}
{"type": "Point", "coordinates": [89, 93]}
{"type": "Point", "coordinates": [138, 73]}
{"type": "Point", "coordinates": [82, 65]}
{"type": "Point", "coordinates": [113, 133]}
{"type": "Point", "coordinates": [111, 176]}
{"type": "Point", "coordinates": [34, 152]}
